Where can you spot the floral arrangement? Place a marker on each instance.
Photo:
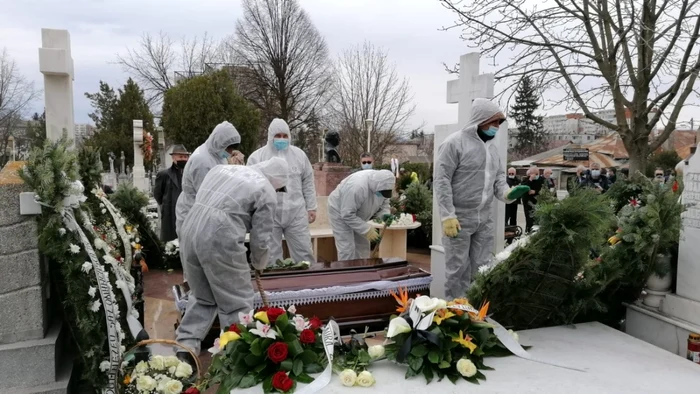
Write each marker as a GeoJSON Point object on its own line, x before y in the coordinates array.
{"type": "Point", "coordinates": [442, 339]}
{"type": "Point", "coordinates": [147, 147]}
{"type": "Point", "coordinates": [171, 252]}
{"type": "Point", "coordinates": [272, 346]}
{"type": "Point", "coordinates": [160, 375]}
{"type": "Point", "coordinates": [352, 359]}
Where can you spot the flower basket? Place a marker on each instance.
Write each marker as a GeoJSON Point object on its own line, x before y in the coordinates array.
{"type": "Point", "coordinates": [143, 373]}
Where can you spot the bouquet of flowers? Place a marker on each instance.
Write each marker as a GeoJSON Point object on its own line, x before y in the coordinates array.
{"type": "Point", "coordinates": [352, 358]}
{"type": "Point", "coordinates": [160, 375]}
{"type": "Point", "coordinates": [172, 252]}
{"type": "Point", "coordinates": [272, 346]}
{"type": "Point", "coordinates": [444, 339]}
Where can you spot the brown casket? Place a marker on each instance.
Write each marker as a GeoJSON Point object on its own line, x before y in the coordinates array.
{"type": "Point", "coordinates": [354, 293]}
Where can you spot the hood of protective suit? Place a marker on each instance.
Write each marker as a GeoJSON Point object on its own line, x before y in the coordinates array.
{"type": "Point", "coordinates": [275, 170]}
{"type": "Point", "coordinates": [224, 134]}
{"type": "Point", "coordinates": [278, 126]}
{"type": "Point", "coordinates": [381, 180]}
{"type": "Point", "coordinates": [482, 110]}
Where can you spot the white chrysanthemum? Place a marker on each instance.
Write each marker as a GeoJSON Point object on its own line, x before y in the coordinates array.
{"type": "Point", "coordinates": [120, 284]}
{"type": "Point", "coordinates": [100, 244]}
{"type": "Point", "coordinates": [92, 291]}
{"type": "Point", "coordinates": [95, 306]}
{"type": "Point", "coordinates": [109, 259]}
{"type": "Point", "coordinates": [74, 249]}
{"type": "Point", "coordinates": [466, 368]}
{"type": "Point", "coordinates": [86, 267]}
{"type": "Point", "coordinates": [62, 231]}
{"type": "Point", "coordinates": [348, 377]}
{"type": "Point", "coordinates": [104, 366]}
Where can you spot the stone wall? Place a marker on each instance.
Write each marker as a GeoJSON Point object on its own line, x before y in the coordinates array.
{"type": "Point", "coordinates": [327, 176]}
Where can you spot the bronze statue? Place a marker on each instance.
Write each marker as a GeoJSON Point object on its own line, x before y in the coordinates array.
{"type": "Point", "coordinates": [331, 147]}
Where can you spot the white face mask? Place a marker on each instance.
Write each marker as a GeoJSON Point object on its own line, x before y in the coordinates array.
{"type": "Point", "coordinates": [511, 176]}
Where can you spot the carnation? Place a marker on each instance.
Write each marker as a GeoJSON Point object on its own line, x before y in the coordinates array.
{"type": "Point", "coordinates": [86, 267]}
{"type": "Point", "coordinates": [95, 306]}
{"type": "Point", "coordinates": [74, 249]}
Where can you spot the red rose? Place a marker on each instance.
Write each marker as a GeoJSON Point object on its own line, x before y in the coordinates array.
{"type": "Point", "coordinates": [282, 382]}
{"type": "Point", "coordinates": [274, 313]}
{"type": "Point", "coordinates": [315, 323]}
{"type": "Point", "coordinates": [277, 352]}
{"type": "Point", "coordinates": [307, 336]}
{"type": "Point", "coordinates": [234, 327]}
{"type": "Point", "coordinates": [262, 309]}
{"type": "Point", "coordinates": [191, 390]}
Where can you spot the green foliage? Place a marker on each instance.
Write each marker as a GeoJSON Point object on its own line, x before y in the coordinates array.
{"type": "Point", "coordinates": [114, 115]}
{"type": "Point", "coordinates": [667, 159]}
{"type": "Point", "coordinates": [531, 287]}
{"type": "Point", "coordinates": [530, 131]}
{"type": "Point", "coordinates": [194, 107]}
{"type": "Point", "coordinates": [132, 203]}
{"type": "Point", "coordinates": [90, 167]}
{"type": "Point", "coordinates": [36, 130]}
{"type": "Point", "coordinates": [419, 201]}
{"type": "Point", "coordinates": [50, 172]}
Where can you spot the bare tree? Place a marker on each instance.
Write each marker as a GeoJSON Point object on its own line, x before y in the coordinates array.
{"type": "Point", "coordinates": [369, 87]}
{"type": "Point", "coordinates": [286, 60]}
{"type": "Point", "coordinates": [639, 56]}
{"type": "Point", "coordinates": [158, 61]}
{"type": "Point", "coordinates": [16, 95]}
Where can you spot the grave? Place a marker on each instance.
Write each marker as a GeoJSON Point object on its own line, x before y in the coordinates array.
{"type": "Point", "coordinates": [56, 63]}
{"type": "Point", "coordinates": [679, 314]}
{"type": "Point", "coordinates": [138, 171]}
{"type": "Point", "coordinates": [470, 85]}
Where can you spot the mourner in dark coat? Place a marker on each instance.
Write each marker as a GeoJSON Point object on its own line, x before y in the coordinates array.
{"type": "Point", "coordinates": [167, 190]}
{"type": "Point", "coordinates": [512, 208]}
{"type": "Point", "coordinates": [535, 182]}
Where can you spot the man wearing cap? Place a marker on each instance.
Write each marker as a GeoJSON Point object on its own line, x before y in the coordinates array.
{"type": "Point", "coordinates": [167, 190]}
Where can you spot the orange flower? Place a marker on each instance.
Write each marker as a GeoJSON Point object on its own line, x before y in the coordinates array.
{"type": "Point", "coordinates": [127, 379]}
{"type": "Point", "coordinates": [401, 298]}
{"type": "Point", "coordinates": [482, 313]}
{"type": "Point", "coordinates": [458, 301]}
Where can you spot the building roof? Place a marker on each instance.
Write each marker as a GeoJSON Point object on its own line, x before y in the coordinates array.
{"type": "Point", "coordinates": [611, 145]}
{"type": "Point", "coordinates": [557, 160]}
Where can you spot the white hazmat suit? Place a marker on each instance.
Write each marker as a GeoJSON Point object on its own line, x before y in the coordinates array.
{"type": "Point", "coordinates": [468, 174]}
{"type": "Point", "coordinates": [352, 204]}
{"type": "Point", "coordinates": [292, 217]}
{"type": "Point", "coordinates": [231, 201]}
{"type": "Point", "coordinates": [211, 153]}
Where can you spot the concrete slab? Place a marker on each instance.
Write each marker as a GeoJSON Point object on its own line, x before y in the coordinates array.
{"type": "Point", "coordinates": [616, 363]}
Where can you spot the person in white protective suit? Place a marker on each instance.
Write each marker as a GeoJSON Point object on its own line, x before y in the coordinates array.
{"type": "Point", "coordinates": [358, 198]}
{"type": "Point", "coordinates": [468, 174]}
{"type": "Point", "coordinates": [232, 201]}
{"type": "Point", "coordinates": [297, 207]}
{"type": "Point", "coordinates": [220, 145]}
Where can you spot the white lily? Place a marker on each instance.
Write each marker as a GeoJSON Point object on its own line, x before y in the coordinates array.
{"type": "Point", "coordinates": [246, 318]}
{"type": "Point", "coordinates": [263, 331]}
{"type": "Point", "coordinates": [421, 321]}
{"type": "Point", "coordinates": [398, 325]}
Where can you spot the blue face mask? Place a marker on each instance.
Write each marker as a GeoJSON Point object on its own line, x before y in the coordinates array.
{"type": "Point", "coordinates": [379, 194]}
{"type": "Point", "coordinates": [280, 143]}
{"type": "Point", "coordinates": [224, 155]}
{"type": "Point", "coordinates": [491, 131]}
{"type": "Point", "coordinates": [366, 166]}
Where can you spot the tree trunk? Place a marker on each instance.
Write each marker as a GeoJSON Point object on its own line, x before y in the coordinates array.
{"type": "Point", "coordinates": [638, 154]}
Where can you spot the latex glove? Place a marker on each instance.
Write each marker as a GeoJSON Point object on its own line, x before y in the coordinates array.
{"type": "Point", "coordinates": [516, 192]}
{"type": "Point", "coordinates": [372, 235]}
{"type": "Point", "coordinates": [451, 227]}
{"type": "Point", "coordinates": [312, 216]}
{"type": "Point", "coordinates": [237, 158]}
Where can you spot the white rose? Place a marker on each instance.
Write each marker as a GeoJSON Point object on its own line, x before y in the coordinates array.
{"type": "Point", "coordinates": [141, 367]}
{"type": "Point", "coordinates": [376, 351]}
{"type": "Point", "coordinates": [145, 383]}
{"type": "Point", "coordinates": [397, 325]}
{"type": "Point", "coordinates": [348, 377]}
{"type": "Point", "coordinates": [426, 304]}
{"type": "Point", "coordinates": [466, 367]}
{"type": "Point", "coordinates": [172, 370]}
{"type": "Point", "coordinates": [365, 379]}
{"type": "Point", "coordinates": [171, 361]}
{"type": "Point", "coordinates": [183, 370]}
{"type": "Point", "coordinates": [515, 335]}
{"type": "Point", "coordinates": [157, 363]}
{"type": "Point", "coordinates": [172, 387]}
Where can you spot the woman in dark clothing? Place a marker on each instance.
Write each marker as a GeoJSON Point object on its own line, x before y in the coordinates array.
{"type": "Point", "coordinates": [512, 208]}
{"type": "Point", "coordinates": [535, 182]}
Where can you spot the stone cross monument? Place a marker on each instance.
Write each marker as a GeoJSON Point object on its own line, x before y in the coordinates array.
{"type": "Point", "coordinates": [138, 171]}
{"type": "Point", "coordinates": [462, 91]}
{"type": "Point", "coordinates": [56, 63]}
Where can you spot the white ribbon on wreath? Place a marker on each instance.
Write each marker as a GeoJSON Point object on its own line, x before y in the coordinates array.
{"type": "Point", "coordinates": [329, 336]}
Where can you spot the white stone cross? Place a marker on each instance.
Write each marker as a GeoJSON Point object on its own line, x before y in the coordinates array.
{"type": "Point", "coordinates": [462, 91]}
{"type": "Point", "coordinates": [138, 171]}
{"type": "Point", "coordinates": [56, 63]}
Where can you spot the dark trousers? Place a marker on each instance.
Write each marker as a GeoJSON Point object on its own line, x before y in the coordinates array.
{"type": "Point", "coordinates": [529, 206]}
{"type": "Point", "coordinates": [512, 214]}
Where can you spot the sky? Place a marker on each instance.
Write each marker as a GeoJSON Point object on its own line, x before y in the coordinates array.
{"type": "Point", "coordinates": [100, 29]}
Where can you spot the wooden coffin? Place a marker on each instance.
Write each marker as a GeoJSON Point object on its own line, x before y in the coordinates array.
{"type": "Point", "coordinates": [354, 293]}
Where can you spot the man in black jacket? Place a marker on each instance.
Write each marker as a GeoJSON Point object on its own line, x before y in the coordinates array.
{"type": "Point", "coordinates": [535, 182]}
{"type": "Point", "coordinates": [512, 208]}
{"type": "Point", "coordinates": [167, 190]}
